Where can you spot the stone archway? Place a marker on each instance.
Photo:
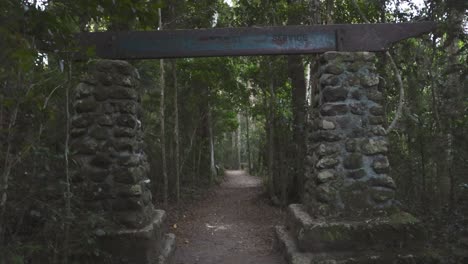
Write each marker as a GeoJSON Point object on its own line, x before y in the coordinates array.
{"type": "Point", "coordinates": [348, 212]}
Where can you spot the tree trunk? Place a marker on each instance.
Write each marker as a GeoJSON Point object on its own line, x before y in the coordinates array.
{"type": "Point", "coordinates": [6, 176]}
{"type": "Point", "coordinates": [233, 150]}
{"type": "Point", "coordinates": [163, 132]}
{"type": "Point", "coordinates": [212, 153]}
{"type": "Point", "coordinates": [247, 131]}
{"type": "Point", "coordinates": [271, 134]}
{"type": "Point", "coordinates": [68, 194]}
{"type": "Point", "coordinates": [330, 6]}
{"type": "Point", "coordinates": [176, 130]}
{"type": "Point", "coordinates": [296, 73]}
{"type": "Point", "coordinates": [200, 152]}
{"type": "Point", "coordinates": [297, 76]}
{"type": "Point", "coordinates": [452, 105]}
{"type": "Point", "coordinates": [239, 143]}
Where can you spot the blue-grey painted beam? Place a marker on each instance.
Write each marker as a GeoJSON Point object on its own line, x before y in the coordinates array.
{"type": "Point", "coordinates": [249, 41]}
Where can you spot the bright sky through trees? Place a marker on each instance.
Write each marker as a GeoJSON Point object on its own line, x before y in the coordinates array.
{"type": "Point", "coordinates": [418, 3]}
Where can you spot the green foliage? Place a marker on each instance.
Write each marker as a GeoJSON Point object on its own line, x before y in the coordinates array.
{"type": "Point", "coordinates": [35, 50]}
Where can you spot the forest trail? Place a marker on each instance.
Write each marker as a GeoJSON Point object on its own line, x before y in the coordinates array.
{"type": "Point", "coordinates": [233, 224]}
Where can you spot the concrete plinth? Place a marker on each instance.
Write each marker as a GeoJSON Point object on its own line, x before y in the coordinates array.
{"type": "Point", "coordinates": [147, 245]}
{"type": "Point", "coordinates": [396, 238]}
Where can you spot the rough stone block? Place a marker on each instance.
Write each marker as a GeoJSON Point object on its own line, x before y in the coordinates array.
{"type": "Point", "coordinates": [382, 181]}
{"type": "Point", "coordinates": [78, 132]}
{"type": "Point", "coordinates": [325, 176]}
{"type": "Point", "coordinates": [128, 204]}
{"type": "Point", "coordinates": [325, 193]}
{"type": "Point", "coordinates": [376, 120]}
{"type": "Point", "coordinates": [129, 160]}
{"type": "Point", "coordinates": [356, 174]}
{"type": "Point", "coordinates": [101, 160]}
{"type": "Point", "coordinates": [382, 194]}
{"type": "Point", "coordinates": [381, 164]}
{"type": "Point", "coordinates": [374, 146]}
{"type": "Point", "coordinates": [129, 175]}
{"type": "Point", "coordinates": [353, 161]}
{"type": "Point", "coordinates": [377, 110]}
{"type": "Point", "coordinates": [334, 68]}
{"type": "Point", "coordinates": [327, 125]}
{"type": "Point", "coordinates": [370, 79]}
{"type": "Point", "coordinates": [125, 120]}
{"type": "Point", "coordinates": [352, 145]}
{"type": "Point", "coordinates": [356, 94]}
{"type": "Point", "coordinates": [124, 132]}
{"type": "Point", "coordinates": [85, 105]}
{"type": "Point", "coordinates": [81, 121]}
{"type": "Point", "coordinates": [358, 108]}
{"type": "Point", "coordinates": [99, 132]}
{"type": "Point", "coordinates": [326, 149]}
{"type": "Point", "coordinates": [328, 136]}
{"type": "Point", "coordinates": [353, 80]}
{"type": "Point", "coordinates": [124, 145]}
{"type": "Point", "coordinates": [105, 120]}
{"type": "Point", "coordinates": [86, 146]}
{"type": "Point", "coordinates": [378, 131]}
{"type": "Point", "coordinates": [98, 191]}
{"type": "Point", "coordinates": [128, 107]}
{"type": "Point", "coordinates": [345, 121]}
{"type": "Point", "coordinates": [95, 175]}
{"type": "Point", "coordinates": [118, 92]}
{"type": "Point", "coordinates": [83, 90]}
{"type": "Point", "coordinates": [334, 94]}
{"type": "Point", "coordinates": [374, 95]}
{"type": "Point", "coordinates": [327, 163]}
{"type": "Point", "coordinates": [334, 109]}
{"type": "Point", "coordinates": [104, 78]}
{"type": "Point", "coordinates": [128, 190]}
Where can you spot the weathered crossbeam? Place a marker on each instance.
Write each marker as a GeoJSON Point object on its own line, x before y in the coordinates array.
{"type": "Point", "coordinates": [250, 40]}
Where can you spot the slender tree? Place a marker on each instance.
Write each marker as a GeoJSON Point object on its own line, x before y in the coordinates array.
{"type": "Point", "coordinates": [239, 142]}
{"type": "Point", "coordinates": [162, 85]}
{"type": "Point", "coordinates": [247, 132]}
{"type": "Point", "coordinates": [176, 129]}
{"type": "Point", "coordinates": [271, 132]}
{"type": "Point", "coordinates": [212, 150]}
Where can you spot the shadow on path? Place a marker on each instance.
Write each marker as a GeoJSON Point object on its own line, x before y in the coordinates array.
{"type": "Point", "coordinates": [232, 225]}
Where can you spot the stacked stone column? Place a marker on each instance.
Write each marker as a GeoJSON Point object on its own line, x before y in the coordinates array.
{"type": "Point", "coordinates": [349, 214]}
{"type": "Point", "coordinates": [110, 166]}
{"type": "Point", "coordinates": [348, 145]}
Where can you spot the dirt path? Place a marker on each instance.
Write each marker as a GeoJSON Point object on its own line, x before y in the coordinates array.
{"type": "Point", "coordinates": [232, 225]}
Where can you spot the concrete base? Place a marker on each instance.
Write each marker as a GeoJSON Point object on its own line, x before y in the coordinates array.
{"type": "Point", "coordinates": [148, 245]}
{"type": "Point", "coordinates": [392, 239]}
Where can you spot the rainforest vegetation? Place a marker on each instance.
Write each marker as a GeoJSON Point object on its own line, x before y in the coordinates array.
{"type": "Point", "coordinates": [204, 115]}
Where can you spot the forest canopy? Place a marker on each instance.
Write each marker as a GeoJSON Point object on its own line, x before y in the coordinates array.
{"type": "Point", "coordinates": [203, 115]}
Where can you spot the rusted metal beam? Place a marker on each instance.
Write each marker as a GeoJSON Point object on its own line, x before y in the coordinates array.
{"type": "Point", "coordinates": [249, 41]}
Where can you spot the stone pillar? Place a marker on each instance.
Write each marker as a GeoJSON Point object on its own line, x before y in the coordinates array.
{"type": "Point", "coordinates": [111, 169]}
{"type": "Point", "coordinates": [349, 166]}
{"type": "Point", "coordinates": [348, 214]}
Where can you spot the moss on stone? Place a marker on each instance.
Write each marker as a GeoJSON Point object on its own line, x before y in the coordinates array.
{"type": "Point", "coordinates": [402, 218]}
{"type": "Point", "coordinates": [336, 233]}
